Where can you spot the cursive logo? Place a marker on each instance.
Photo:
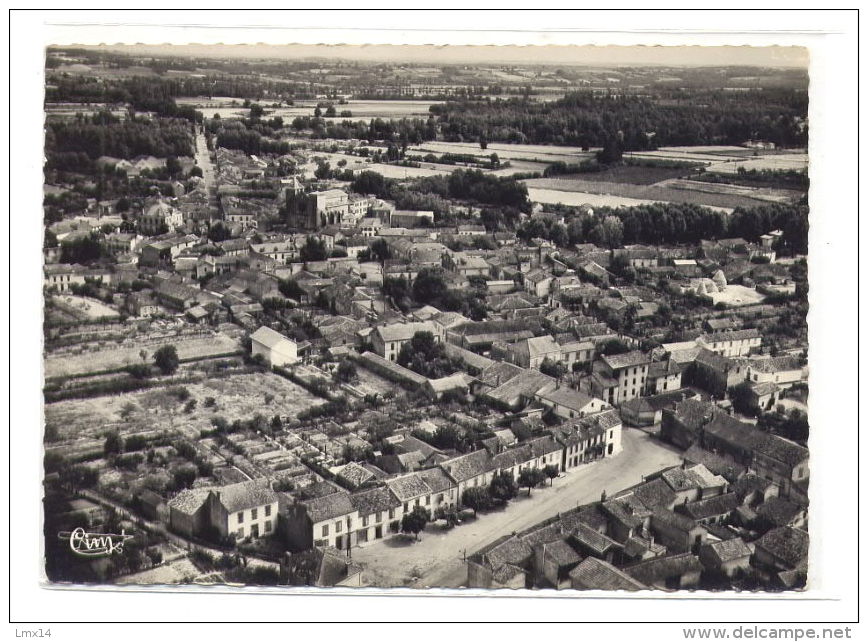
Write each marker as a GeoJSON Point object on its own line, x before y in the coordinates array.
{"type": "Point", "coordinates": [94, 544]}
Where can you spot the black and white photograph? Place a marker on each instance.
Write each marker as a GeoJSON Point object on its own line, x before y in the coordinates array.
{"type": "Point", "coordinates": [512, 320]}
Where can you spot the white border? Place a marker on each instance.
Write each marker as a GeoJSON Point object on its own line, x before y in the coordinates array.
{"type": "Point", "coordinates": [831, 38]}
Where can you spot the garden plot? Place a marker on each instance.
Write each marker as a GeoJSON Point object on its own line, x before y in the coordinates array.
{"type": "Point", "coordinates": [235, 397]}
{"type": "Point", "coordinates": [95, 358]}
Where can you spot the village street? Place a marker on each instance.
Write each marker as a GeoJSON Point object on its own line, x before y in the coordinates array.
{"type": "Point", "coordinates": [437, 559]}
{"type": "Point", "coordinates": [209, 172]}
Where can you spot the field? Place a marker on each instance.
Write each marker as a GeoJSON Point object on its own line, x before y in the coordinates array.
{"type": "Point", "coordinates": [540, 195]}
{"type": "Point", "coordinates": [237, 397]}
{"type": "Point", "coordinates": [779, 162]}
{"type": "Point", "coordinates": [632, 174]}
{"type": "Point", "coordinates": [92, 358]}
{"type": "Point", "coordinates": [736, 296]}
{"type": "Point", "coordinates": [398, 172]}
{"type": "Point", "coordinates": [83, 308]}
{"type": "Point", "coordinates": [538, 153]}
{"type": "Point", "coordinates": [361, 109]}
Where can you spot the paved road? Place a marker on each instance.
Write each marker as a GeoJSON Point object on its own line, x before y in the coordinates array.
{"type": "Point", "coordinates": [437, 559]}
{"type": "Point", "coordinates": [209, 172]}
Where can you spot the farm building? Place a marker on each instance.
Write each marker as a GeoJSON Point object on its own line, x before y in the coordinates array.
{"type": "Point", "coordinates": [274, 347]}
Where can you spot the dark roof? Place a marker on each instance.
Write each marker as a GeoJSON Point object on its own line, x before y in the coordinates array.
{"type": "Point", "coordinates": [713, 506]}
{"type": "Point", "coordinates": [655, 494]}
{"type": "Point", "coordinates": [329, 507]}
{"type": "Point", "coordinates": [626, 359]}
{"type": "Point", "coordinates": [244, 495]}
{"type": "Point", "coordinates": [728, 550]}
{"type": "Point", "coordinates": [673, 519]}
{"type": "Point", "coordinates": [655, 570]}
{"type": "Point", "coordinates": [593, 573]}
{"type": "Point", "coordinates": [717, 464]}
{"type": "Point", "coordinates": [409, 487]}
{"type": "Point", "coordinates": [374, 500]}
{"type": "Point", "coordinates": [781, 449]}
{"type": "Point", "coordinates": [561, 552]}
{"type": "Point", "coordinates": [593, 541]}
{"type": "Point", "coordinates": [779, 511]}
{"type": "Point", "coordinates": [787, 544]}
{"type": "Point", "coordinates": [468, 466]}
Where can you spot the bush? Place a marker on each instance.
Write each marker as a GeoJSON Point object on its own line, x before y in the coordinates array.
{"type": "Point", "coordinates": [166, 359]}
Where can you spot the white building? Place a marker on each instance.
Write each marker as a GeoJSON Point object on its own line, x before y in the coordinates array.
{"type": "Point", "coordinates": [274, 347]}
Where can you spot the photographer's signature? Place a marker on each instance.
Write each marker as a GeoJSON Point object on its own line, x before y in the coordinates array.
{"type": "Point", "coordinates": [95, 544]}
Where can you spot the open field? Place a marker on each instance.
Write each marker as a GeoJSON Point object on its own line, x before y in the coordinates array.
{"type": "Point", "coordinates": [778, 162]}
{"type": "Point", "coordinates": [538, 153]}
{"type": "Point", "coordinates": [361, 109]}
{"type": "Point", "coordinates": [398, 172]}
{"type": "Point", "coordinates": [540, 195]}
{"type": "Point", "coordinates": [631, 174]}
{"type": "Point", "coordinates": [758, 193]}
{"type": "Point", "coordinates": [736, 296]}
{"type": "Point", "coordinates": [97, 358]}
{"type": "Point", "coordinates": [237, 397]}
{"type": "Point", "coordinates": [599, 193]}
{"type": "Point", "coordinates": [84, 308]}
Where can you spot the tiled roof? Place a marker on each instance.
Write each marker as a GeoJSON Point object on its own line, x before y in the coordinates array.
{"type": "Point", "coordinates": [787, 544]}
{"type": "Point", "coordinates": [591, 539]}
{"type": "Point", "coordinates": [437, 480]}
{"type": "Point", "coordinates": [775, 364]}
{"type": "Point", "coordinates": [189, 501]}
{"type": "Point", "coordinates": [729, 550]}
{"type": "Point", "coordinates": [781, 449]}
{"type": "Point", "coordinates": [373, 501]}
{"type": "Point", "coordinates": [626, 359]}
{"type": "Point", "coordinates": [329, 507]}
{"type": "Point", "coordinates": [409, 487]}
{"type": "Point", "coordinates": [672, 519]}
{"type": "Point", "coordinates": [655, 494]}
{"type": "Point", "coordinates": [595, 574]}
{"type": "Point", "coordinates": [467, 466]}
{"type": "Point", "coordinates": [561, 552]}
{"type": "Point", "coordinates": [779, 511]}
{"type": "Point", "coordinates": [244, 495]}
{"type": "Point", "coordinates": [661, 568]}
{"type": "Point", "coordinates": [712, 507]}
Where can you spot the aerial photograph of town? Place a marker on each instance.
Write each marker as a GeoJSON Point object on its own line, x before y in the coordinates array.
{"type": "Point", "coordinates": [425, 322]}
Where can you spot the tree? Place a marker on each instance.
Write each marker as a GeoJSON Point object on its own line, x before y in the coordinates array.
{"type": "Point", "coordinates": [551, 471]}
{"type": "Point", "coordinates": [428, 286]}
{"type": "Point", "coordinates": [530, 477]}
{"type": "Point", "coordinates": [502, 487]}
{"type": "Point", "coordinates": [609, 232]}
{"type": "Point", "coordinates": [554, 369]}
{"type": "Point", "coordinates": [166, 359]}
{"type": "Point", "coordinates": [313, 249]}
{"type": "Point", "coordinates": [447, 513]}
{"type": "Point", "coordinates": [218, 232]}
{"type": "Point", "coordinates": [113, 443]}
{"type": "Point", "coordinates": [741, 397]}
{"type": "Point", "coordinates": [415, 521]}
{"type": "Point", "coordinates": [346, 371]}
{"type": "Point", "coordinates": [476, 498]}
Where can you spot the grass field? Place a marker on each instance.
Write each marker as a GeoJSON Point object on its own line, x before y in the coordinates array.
{"type": "Point", "coordinates": [361, 109]}
{"type": "Point", "coordinates": [237, 397]}
{"type": "Point", "coordinates": [537, 153]}
{"type": "Point", "coordinates": [540, 195]}
{"type": "Point", "coordinates": [99, 359]}
{"type": "Point", "coordinates": [631, 174]}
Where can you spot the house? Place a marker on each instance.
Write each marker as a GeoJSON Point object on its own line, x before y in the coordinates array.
{"type": "Point", "coordinates": [276, 349]}
{"type": "Point", "coordinates": [243, 510]}
{"type": "Point", "coordinates": [648, 411]}
{"type": "Point", "coordinates": [374, 507]}
{"type": "Point", "coordinates": [630, 372]}
{"type": "Point", "coordinates": [470, 470]}
{"type": "Point", "coordinates": [716, 373]}
{"type": "Point", "coordinates": [763, 396]}
{"type": "Point", "coordinates": [595, 574]}
{"type": "Point", "coordinates": [530, 353]}
{"type": "Point", "coordinates": [731, 343]}
{"type": "Point", "coordinates": [158, 218]}
{"type": "Point", "coordinates": [323, 567]}
{"type": "Point", "coordinates": [411, 491]}
{"type": "Point", "coordinates": [782, 371]}
{"type": "Point", "coordinates": [553, 562]}
{"type": "Point", "coordinates": [387, 340]}
{"type": "Point", "coordinates": [502, 564]}
{"type": "Point", "coordinates": [328, 520]}
{"type": "Point", "coordinates": [679, 533]}
{"type": "Point", "coordinates": [730, 557]}
{"type": "Point", "coordinates": [712, 510]}
{"type": "Point", "coordinates": [569, 403]}
{"type": "Point", "coordinates": [663, 376]}
{"type": "Point", "coordinates": [538, 282]}
{"type": "Point", "coordinates": [781, 549]}
{"type": "Point", "coordinates": [672, 572]}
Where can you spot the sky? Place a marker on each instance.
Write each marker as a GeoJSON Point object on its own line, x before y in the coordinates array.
{"type": "Point", "coordinates": [693, 56]}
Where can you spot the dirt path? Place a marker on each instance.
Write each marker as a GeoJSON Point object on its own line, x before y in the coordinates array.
{"type": "Point", "coordinates": [437, 559]}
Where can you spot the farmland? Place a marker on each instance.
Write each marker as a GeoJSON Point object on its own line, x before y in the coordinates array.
{"type": "Point", "coordinates": [99, 357]}
{"type": "Point", "coordinates": [537, 153]}
{"type": "Point", "coordinates": [236, 397]}
{"type": "Point", "coordinates": [361, 109]}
